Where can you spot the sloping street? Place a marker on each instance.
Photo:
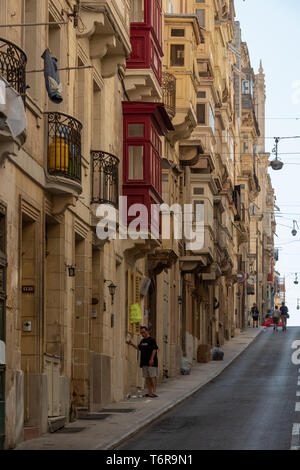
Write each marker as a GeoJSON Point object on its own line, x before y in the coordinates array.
{"type": "Point", "coordinates": [251, 406]}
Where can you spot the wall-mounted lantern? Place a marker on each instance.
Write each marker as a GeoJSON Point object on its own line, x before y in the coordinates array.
{"type": "Point", "coordinates": [112, 290]}
{"type": "Point", "coordinates": [71, 271]}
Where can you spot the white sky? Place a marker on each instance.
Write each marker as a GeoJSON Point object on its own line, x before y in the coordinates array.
{"type": "Point", "coordinates": [271, 29]}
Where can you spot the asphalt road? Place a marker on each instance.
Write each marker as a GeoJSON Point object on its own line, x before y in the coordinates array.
{"type": "Point", "coordinates": [250, 406]}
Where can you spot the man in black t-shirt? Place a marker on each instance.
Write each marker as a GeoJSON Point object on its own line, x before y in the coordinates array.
{"type": "Point", "coordinates": [148, 362]}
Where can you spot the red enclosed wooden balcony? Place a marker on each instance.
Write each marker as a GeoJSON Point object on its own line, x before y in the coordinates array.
{"type": "Point", "coordinates": [145, 37]}
{"type": "Point", "coordinates": [144, 124]}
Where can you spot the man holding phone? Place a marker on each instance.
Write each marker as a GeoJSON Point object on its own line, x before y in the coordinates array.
{"type": "Point", "coordinates": [149, 361]}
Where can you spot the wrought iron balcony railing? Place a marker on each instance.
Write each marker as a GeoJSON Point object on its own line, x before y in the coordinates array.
{"type": "Point", "coordinates": [64, 146]}
{"type": "Point", "coordinates": [105, 186]}
{"type": "Point", "coordinates": [13, 65]}
{"type": "Point", "coordinates": [169, 93]}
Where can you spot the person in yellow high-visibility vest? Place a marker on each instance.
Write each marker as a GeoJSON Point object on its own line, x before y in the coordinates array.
{"type": "Point", "coordinates": [149, 361]}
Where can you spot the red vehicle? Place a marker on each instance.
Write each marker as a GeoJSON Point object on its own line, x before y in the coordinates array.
{"type": "Point", "coordinates": [269, 323]}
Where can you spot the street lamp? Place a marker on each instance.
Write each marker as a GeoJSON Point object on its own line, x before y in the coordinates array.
{"type": "Point", "coordinates": [112, 289]}
{"type": "Point", "coordinates": [276, 164]}
{"type": "Point", "coordinates": [294, 231]}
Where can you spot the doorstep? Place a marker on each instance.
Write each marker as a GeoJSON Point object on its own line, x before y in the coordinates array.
{"type": "Point", "coordinates": [31, 433]}
{"type": "Point", "coordinates": [58, 422]}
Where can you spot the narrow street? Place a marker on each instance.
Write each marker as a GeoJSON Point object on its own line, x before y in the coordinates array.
{"type": "Point", "coordinates": [251, 406]}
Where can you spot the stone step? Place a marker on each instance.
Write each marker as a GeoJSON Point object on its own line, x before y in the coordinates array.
{"type": "Point", "coordinates": [81, 412]}
{"type": "Point", "coordinates": [58, 422]}
{"type": "Point", "coordinates": [30, 433]}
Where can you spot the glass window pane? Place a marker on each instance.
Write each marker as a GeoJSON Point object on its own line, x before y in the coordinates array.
{"type": "Point", "coordinates": [201, 17]}
{"type": "Point", "coordinates": [135, 130]}
{"type": "Point", "coordinates": [137, 14]}
{"type": "Point", "coordinates": [201, 111]}
{"type": "Point", "coordinates": [179, 33]}
{"type": "Point", "coordinates": [211, 119]}
{"type": "Point", "coordinates": [177, 55]}
{"type": "Point", "coordinates": [2, 233]}
{"type": "Point", "coordinates": [2, 312]}
{"type": "Point", "coordinates": [2, 279]}
{"type": "Point", "coordinates": [135, 162]}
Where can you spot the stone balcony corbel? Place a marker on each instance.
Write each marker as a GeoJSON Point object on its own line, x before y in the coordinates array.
{"type": "Point", "coordinates": [183, 130]}
{"type": "Point", "coordinates": [192, 264]}
{"type": "Point", "coordinates": [159, 261]}
{"type": "Point", "coordinates": [189, 154]}
{"type": "Point", "coordinates": [108, 32]}
{"type": "Point", "coordinates": [140, 248]}
{"type": "Point", "coordinates": [9, 145]}
{"type": "Point", "coordinates": [61, 203]}
{"type": "Point", "coordinates": [142, 85]}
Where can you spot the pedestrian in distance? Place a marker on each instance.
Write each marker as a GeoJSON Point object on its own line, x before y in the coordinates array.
{"type": "Point", "coordinates": [149, 360]}
{"type": "Point", "coordinates": [284, 315]}
{"type": "Point", "coordinates": [276, 316]}
{"type": "Point", "coordinates": [255, 315]}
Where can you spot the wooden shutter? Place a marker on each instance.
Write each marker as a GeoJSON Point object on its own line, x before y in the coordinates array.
{"type": "Point", "coordinates": [137, 299]}
{"type": "Point", "coordinates": [201, 110]}
{"type": "Point", "coordinates": [129, 300]}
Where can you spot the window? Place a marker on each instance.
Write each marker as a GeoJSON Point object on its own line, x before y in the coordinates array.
{"type": "Point", "coordinates": [246, 87]}
{"type": "Point", "coordinates": [201, 16]}
{"type": "Point", "coordinates": [2, 274]}
{"type": "Point", "coordinates": [135, 162]}
{"type": "Point", "coordinates": [177, 55]}
{"type": "Point", "coordinates": [170, 6]}
{"type": "Point", "coordinates": [247, 146]}
{"type": "Point", "coordinates": [156, 19]}
{"type": "Point", "coordinates": [135, 130]}
{"type": "Point", "coordinates": [198, 191]}
{"type": "Point", "coordinates": [137, 12]}
{"type": "Point", "coordinates": [198, 205]}
{"type": "Point", "coordinates": [201, 108]}
{"type": "Point", "coordinates": [201, 94]}
{"type": "Point", "coordinates": [211, 119]}
{"type": "Point", "coordinates": [231, 148]}
{"type": "Point", "coordinates": [96, 117]}
{"type": "Point", "coordinates": [178, 33]}
{"type": "Point", "coordinates": [2, 234]}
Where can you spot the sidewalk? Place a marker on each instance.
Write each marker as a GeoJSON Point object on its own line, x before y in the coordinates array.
{"type": "Point", "coordinates": [119, 425]}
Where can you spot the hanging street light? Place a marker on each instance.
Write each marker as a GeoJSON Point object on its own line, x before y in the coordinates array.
{"type": "Point", "coordinates": [294, 231]}
{"type": "Point", "coordinates": [276, 164]}
{"type": "Point", "coordinates": [296, 279]}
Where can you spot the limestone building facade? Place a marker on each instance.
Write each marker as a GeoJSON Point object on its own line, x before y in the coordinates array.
{"type": "Point", "coordinates": [156, 97]}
